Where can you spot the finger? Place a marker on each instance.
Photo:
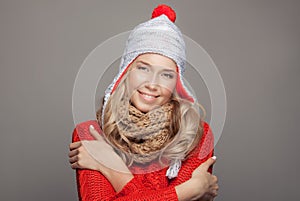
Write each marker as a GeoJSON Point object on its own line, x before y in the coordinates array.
{"type": "Point", "coordinates": [75, 165]}
{"type": "Point", "coordinates": [73, 153]}
{"type": "Point", "coordinates": [214, 193]}
{"type": "Point", "coordinates": [214, 190]}
{"type": "Point", "coordinates": [207, 197]}
{"type": "Point", "coordinates": [95, 133]}
{"type": "Point", "coordinates": [209, 162]}
{"type": "Point", "coordinates": [216, 187]}
{"type": "Point", "coordinates": [215, 178]}
{"type": "Point", "coordinates": [75, 145]}
{"type": "Point", "coordinates": [73, 159]}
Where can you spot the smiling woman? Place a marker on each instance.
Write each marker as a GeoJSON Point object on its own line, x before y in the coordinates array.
{"type": "Point", "coordinates": [149, 141]}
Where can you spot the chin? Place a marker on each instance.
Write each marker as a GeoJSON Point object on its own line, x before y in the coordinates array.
{"type": "Point", "coordinates": [142, 106]}
{"type": "Point", "coordinates": [144, 109]}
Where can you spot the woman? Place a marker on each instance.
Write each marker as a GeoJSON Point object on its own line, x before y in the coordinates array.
{"type": "Point", "coordinates": [154, 146]}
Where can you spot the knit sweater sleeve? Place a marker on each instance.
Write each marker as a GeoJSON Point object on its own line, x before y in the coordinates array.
{"type": "Point", "coordinates": [199, 155]}
{"type": "Point", "coordinates": [93, 186]}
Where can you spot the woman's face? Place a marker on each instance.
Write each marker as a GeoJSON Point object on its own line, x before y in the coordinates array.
{"type": "Point", "coordinates": [152, 80]}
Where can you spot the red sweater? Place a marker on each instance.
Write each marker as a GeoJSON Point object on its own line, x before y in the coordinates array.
{"type": "Point", "coordinates": [92, 185]}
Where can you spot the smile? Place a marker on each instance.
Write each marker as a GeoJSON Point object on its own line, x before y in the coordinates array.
{"type": "Point", "coordinates": [148, 97]}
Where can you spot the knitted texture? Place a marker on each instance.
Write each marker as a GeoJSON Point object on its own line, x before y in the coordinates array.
{"type": "Point", "coordinates": [145, 134]}
{"type": "Point", "coordinates": [92, 185]}
{"type": "Point", "coordinates": [164, 10]}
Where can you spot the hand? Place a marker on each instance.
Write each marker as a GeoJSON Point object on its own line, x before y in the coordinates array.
{"type": "Point", "coordinates": [202, 186]}
{"type": "Point", "coordinates": [95, 155]}
{"type": "Point", "coordinates": [79, 158]}
{"type": "Point", "coordinates": [205, 182]}
{"type": "Point", "coordinates": [98, 155]}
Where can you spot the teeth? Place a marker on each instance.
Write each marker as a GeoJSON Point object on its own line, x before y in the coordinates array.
{"type": "Point", "coordinates": [147, 96]}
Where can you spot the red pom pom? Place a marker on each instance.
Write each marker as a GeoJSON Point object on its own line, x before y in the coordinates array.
{"type": "Point", "coordinates": [164, 9]}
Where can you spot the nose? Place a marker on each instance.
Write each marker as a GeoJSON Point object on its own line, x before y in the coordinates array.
{"type": "Point", "coordinates": [151, 86]}
{"type": "Point", "coordinates": [152, 83]}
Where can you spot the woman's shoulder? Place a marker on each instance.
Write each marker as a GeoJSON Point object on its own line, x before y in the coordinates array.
{"type": "Point", "coordinates": [206, 133]}
{"type": "Point", "coordinates": [81, 130]}
{"type": "Point", "coordinates": [206, 142]}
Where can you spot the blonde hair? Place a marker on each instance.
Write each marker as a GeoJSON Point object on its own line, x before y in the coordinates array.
{"type": "Point", "coordinates": [185, 130]}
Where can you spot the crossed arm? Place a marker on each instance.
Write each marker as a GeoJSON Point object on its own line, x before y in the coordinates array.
{"type": "Point", "coordinates": [96, 182]}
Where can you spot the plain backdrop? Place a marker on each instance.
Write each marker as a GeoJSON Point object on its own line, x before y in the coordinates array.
{"type": "Point", "coordinates": [255, 45]}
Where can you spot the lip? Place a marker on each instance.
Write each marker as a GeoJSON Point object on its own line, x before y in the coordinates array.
{"type": "Point", "coordinates": [147, 96]}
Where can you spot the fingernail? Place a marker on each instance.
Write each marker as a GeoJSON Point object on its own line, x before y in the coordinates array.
{"type": "Point", "coordinates": [214, 157]}
{"type": "Point", "coordinates": [92, 127]}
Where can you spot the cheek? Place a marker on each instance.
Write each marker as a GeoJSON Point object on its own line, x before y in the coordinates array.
{"type": "Point", "coordinates": [168, 90]}
{"type": "Point", "coordinates": [168, 87]}
{"type": "Point", "coordinates": [134, 81]}
{"type": "Point", "coordinates": [167, 93]}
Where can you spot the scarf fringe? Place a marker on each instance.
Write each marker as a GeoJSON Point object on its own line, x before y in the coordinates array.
{"type": "Point", "coordinates": [173, 170]}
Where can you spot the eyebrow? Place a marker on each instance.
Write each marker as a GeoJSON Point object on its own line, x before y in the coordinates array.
{"type": "Point", "coordinates": [145, 63]}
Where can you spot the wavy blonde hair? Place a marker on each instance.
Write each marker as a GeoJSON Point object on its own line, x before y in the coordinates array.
{"type": "Point", "coordinates": [185, 130]}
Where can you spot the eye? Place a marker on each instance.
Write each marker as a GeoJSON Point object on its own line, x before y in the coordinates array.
{"type": "Point", "coordinates": [168, 75]}
{"type": "Point", "coordinates": [143, 68]}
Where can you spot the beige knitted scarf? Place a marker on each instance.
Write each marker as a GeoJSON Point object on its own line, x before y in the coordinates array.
{"type": "Point", "coordinates": [145, 133]}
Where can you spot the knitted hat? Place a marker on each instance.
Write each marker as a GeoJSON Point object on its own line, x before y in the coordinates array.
{"type": "Point", "coordinates": [158, 35]}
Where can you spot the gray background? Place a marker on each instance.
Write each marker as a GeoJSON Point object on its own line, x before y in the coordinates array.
{"type": "Point", "coordinates": [255, 45]}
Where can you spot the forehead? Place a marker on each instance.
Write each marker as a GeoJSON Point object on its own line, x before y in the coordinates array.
{"type": "Point", "coordinates": [156, 60]}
